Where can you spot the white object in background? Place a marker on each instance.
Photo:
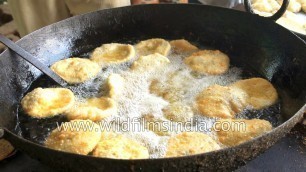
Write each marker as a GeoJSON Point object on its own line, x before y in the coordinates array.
{"type": "Point", "coordinates": [222, 3]}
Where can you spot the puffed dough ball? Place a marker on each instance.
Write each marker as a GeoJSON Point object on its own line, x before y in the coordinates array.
{"type": "Point", "coordinates": [166, 91]}
{"type": "Point", "coordinates": [238, 99]}
{"type": "Point", "coordinates": [174, 88]}
{"type": "Point", "coordinates": [215, 107]}
{"type": "Point", "coordinates": [182, 46]}
{"type": "Point", "coordinates": [292, 24]}
{"type": "Point", "coordinates": [178, 112]}
{"type": "Point", "coordinates": [301, 1]}
{"type": "Point", "coordinates": [95, 109]}
{"type": "Point", "coordinates": [174, 95]}
{"type": "Point", "coordinates": [151, 46]}
{"type": "Point", "coordinates": [169, 93]}
{"type": "Point", "coordinates": [115, 84]}
{"type": "Point", "coordinates": [190, 143]}
{"type": "Point", "coordinates": [79, 136]}
{"type": "Point", "coordinates": [264, 14]}
{"type": "Point", "coordinates": [6, 149]}
{"type": "Point", "coordinates": [211, 62]}
{"type": "Point", "coordinates": [260, 92]}
{"type": "Point", "coordinates": [47, 102]}
{"type": "Point", "coordinates": [293, 17]}
{"type": "Point", "coordinates": [113, 53]}
{"type": "Point", "coordinates": [76, 70]}
{"type": "Point", "coordinates": [268, 6]}
{"type": "Point", "coordinates": [221, 101]}
{"type": "Point", "coordinates": [150, 62]}
{"type": "Point", "coordinates": [119, 147]}
{"type": "Point", "coordinates": [263, 6]}
{"type": "Point", "coordinates": [157, 88]}
{"type": "Point", "coordinates": [304, 9]}
{"type": "Point", "coordinates": [294, 5]}
{"type": "Point", "coordinates": [155, 124]}
{"type": "Point", "coordinates": [255, 1]}
{"type": "Point", "coordinates": [232, 132]}
{"type": "Point", "coordinates": [275, 5]}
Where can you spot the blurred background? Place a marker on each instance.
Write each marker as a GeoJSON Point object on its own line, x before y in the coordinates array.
{"type": "Point", "coordinates": [21, 17]}
{"type": "Point", "coordinates": [7, 25]}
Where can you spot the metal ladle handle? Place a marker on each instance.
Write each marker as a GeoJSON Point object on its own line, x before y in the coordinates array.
{"type": "Point", "coordinates": [276, 16]}
{"type": "Point", "coordinates": [31, 59]}
{"type": "Point", "coordinates": [1, 133]}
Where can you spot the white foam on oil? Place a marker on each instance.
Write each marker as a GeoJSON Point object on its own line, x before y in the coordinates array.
{"type": "Point", "coordinates": [136, 99]}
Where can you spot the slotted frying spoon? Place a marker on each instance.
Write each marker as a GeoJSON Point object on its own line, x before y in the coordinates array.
{"type": "Point", "coordinates": [31, 59]}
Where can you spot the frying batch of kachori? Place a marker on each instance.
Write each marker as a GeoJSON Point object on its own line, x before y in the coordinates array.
{"type": "Point", "coordinates": [219, 102]}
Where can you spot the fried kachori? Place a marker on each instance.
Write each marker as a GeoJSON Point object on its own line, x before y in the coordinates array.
{"type": "Point", "coordinates": [77, 136]}
{"type": "Point", "coordinates": [232, 132]}
{"type": "Point", "coordinates": [260, 92]}
{"type": "Point", "coordinates": [47, 102]}
{"type": "Point", "coordinates": [190, 143]}
{"type": "Point", "coordinates": [95, 109]}
{"type": "Point", "coordinates": [152, 46]}
{"type": "Point", "coordinates": [209, 62]}
{"type": "Point", "coordinates": [119, 147]}
{"type": "Point", "coordinates": [113, 53]}
{"type": "Point", "coordinates": [150, 62]}
{"type": "Point", "coordinates": [76, 70]}
{"type": "Point", "coordinates": [182, 46]}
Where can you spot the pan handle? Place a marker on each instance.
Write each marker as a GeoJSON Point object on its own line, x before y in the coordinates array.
{"type": "Point", "coordinates": [276, 16]}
